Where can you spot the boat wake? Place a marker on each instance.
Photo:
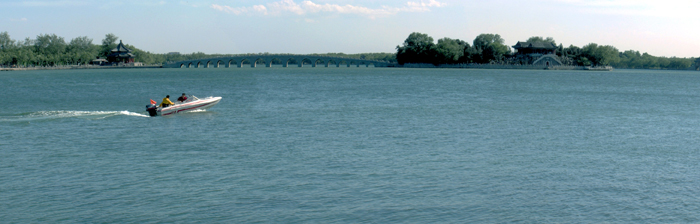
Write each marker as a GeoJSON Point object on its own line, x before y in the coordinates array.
{"type": "Point", "coordinates": [197, 111]}
{"type": "Point", "coordinates": [50, 115]}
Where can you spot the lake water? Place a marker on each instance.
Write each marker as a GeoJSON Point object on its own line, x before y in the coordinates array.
{"type": "Point", "coordinates": [351, 145]}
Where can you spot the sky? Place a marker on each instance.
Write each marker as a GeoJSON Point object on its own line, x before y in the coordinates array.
{"type": "Point", "coordinates": [661, 28]}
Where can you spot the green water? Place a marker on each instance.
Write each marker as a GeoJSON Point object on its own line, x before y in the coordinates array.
{"type": "Point", "coordinates": [351, 145]}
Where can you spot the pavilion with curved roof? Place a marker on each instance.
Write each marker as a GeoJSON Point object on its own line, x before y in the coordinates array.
{"type": "Point", "coordinates": [121, 54]}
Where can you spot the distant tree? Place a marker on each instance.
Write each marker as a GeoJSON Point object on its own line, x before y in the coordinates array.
{"type": "Point", "coordinates": [663, 62]}
{"type": "Point", "coordinates": [571, 55]}
{"type": "Point", "coordinates": [81, 50]}
{"type": "Point", "coordinates": [560, 50]}
{"type": "Point", "coordinates": [486, 39]}
{"type": "Point", "coordinates": [629, 59]}
{"type": "Point", "coordinates": [601, 55]}
{"type": "Point", "coordinates": [607, 55]}
{"type": "Point", "coordinates": [7, 45]}
{"type": "Point", "coordinates": [469, 54]}
{"type": "Point", "coordinates": [417, 48]}
{"type": "Point", "coordinates": [109, 43]}
{"type": "Point", "coordinates": [650, 61]}
{"type": "Point", "coordinates": [680, 63]}
{"type": "Point", "coordinates": [52, 49]}
{"type": "Point", "coordinates": [80, 43]}
{"type": "Point", "coordinates": [489, 47]}
{"type": "Point", "coordinates": [541, 39]}
{"type": "Point", "coordinates": [583, 60]}
{"type": "Point", "coordinates": [449, 51]}
{"type": "Point", "coordinates": [6, 42]}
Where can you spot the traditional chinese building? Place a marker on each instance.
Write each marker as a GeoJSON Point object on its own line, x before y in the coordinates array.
{"type": "Point", "coordinates": [537, 53]}
{"type": "Point", "coordinates": [541, 48]}
{"type": "Point", "coordinates": [99, 61]}
{"type": "Point", "coordinates": [121, 54]}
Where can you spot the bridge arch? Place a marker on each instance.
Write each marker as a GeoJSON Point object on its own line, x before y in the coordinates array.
{"type": "Point", "coordinates": [274, 60]}
{"type": "Point", "coordinates": [260, 60]}
{"type": "Point", "coordinates": [342, 62]}
{"type": "Point", "coordinates": [305, 59]}
{"type": "Point", "coordinates": [328, 62]}
{"type": "Point", "coordinates": [231, 61]}
{"type": "Point", "coordinates": [243, 60]}
{"type": "Point", "coordinates": [285, 62]}
{"type": "Point", "coordinates": [317, 61]}
{"type": "Point", "coordinates": [270, 59]}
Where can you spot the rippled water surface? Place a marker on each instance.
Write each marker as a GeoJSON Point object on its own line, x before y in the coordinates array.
{"type": "Point", "coordinates": [351, 145]}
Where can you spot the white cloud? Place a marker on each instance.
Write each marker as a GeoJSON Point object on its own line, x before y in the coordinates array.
{"type": "Point", "coordinates": [19, 20]}
{"type": "Point", "coordinates": [422, 5]}
{"type": "Point", "coordinates": [240, 10]}
{"type": "Point", "coordinates": [309, 7]}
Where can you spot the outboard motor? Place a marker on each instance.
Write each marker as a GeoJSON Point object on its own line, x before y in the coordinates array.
{"type": "Point", "coordinates": [152, 110]}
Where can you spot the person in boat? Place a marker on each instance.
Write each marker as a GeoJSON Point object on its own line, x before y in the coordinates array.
{"type": "Point", "coordinates": [166, 102]}
{"type": "Point", "coordinates": [182, 98]}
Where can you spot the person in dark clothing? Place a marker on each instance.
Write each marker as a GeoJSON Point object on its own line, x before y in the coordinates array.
{"type": "Point", "coordinates": [182, 98]}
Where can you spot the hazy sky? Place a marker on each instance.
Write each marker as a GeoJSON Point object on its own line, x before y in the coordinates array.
{"type": "Point", "coordinates": [661, 28]}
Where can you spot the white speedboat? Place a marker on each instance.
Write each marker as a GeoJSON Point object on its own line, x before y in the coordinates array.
{"type": "Point", "coordinates": [193, 103]}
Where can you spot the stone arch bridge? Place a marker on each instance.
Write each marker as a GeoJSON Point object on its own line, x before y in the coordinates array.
{"type": "Point", "coordinates": [267, 59]}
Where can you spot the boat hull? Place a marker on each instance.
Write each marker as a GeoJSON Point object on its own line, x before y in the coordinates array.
{"type": "Point", "coordinates": [199, 104]}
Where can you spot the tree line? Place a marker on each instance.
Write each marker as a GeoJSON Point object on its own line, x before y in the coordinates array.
{"type": "Point", "coordinates": [491, 48]}
{"type": "Point", "coordinates": [52, 50]}
{"type": "Point", "coordinates": [420, 48]}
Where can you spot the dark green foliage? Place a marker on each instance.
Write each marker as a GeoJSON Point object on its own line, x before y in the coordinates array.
{"type": "Point", "coordinates": [52, 50]}
{"type": "Point", "coordinates": [560, 50]}
{"type": "Point", "coordinates": [541, 39]}
{"type": "Point", "coordinates": [601, 55]}
{"type": "Point", "coordinates": [81, 50]}
{"type": "Point", "coordinates": [417, 48]}
{"type": "Point", "coordinates": [449, 51]}
{"type": "Point", "coordinates": [490, 48]}
{"type": "Point", "coordinates": [635, 60]}
{"type": "Point", "coordinates": [109, 43]}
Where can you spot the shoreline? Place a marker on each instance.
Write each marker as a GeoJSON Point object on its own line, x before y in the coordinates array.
{"type": "Point", "coordinates": [515, 67]}
{"type": "Point", "coordinates": [77, 67]}
{"type": "Point", "coordinates": [418, 66]}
